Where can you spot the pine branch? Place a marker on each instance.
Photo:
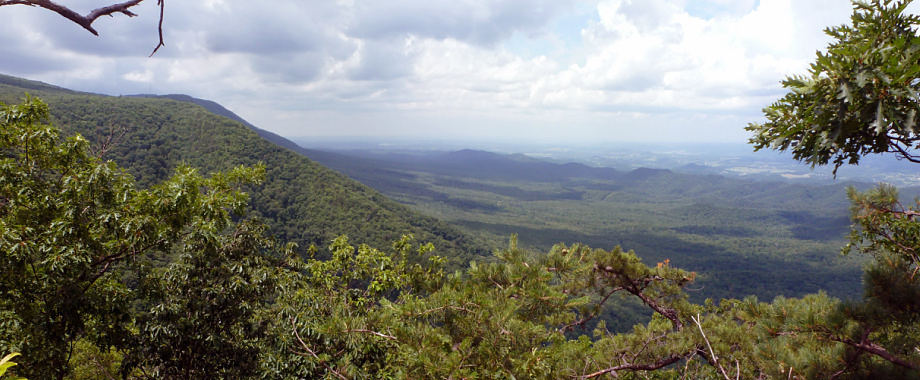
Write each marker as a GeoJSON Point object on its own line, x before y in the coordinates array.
{"type": "Point", "coordinates": [875, 349]}
{"type": "Point", "coordinates": [637, 367]}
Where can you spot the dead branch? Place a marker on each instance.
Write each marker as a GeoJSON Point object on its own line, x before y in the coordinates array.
{"type": "Point", "coordinates": [86, 22]}
{"type": "Point", "coordinates": [382, 335]}
{"type": "Point", "coordinates": [637, 367]}
{"type": "Point", "coordinates": [712, 353]}
{"type": "Point", "coordinates": [311, 352]}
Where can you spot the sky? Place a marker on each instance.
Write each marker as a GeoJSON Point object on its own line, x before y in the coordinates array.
{"type": "Point", "coordinates": [547, 71]}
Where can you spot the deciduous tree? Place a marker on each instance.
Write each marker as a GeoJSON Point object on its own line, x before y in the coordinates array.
{"type": "Point", "coordinates": [861, 97]}
{"type": "Point", "coordinates": [70, 222]}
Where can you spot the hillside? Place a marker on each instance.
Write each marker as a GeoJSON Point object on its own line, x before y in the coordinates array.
{"type": "Point", "coordinates": [301, 200]}
{"type": "Point", "coordinates": [745, 237]}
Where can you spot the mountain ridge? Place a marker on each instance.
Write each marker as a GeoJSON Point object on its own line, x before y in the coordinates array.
{"type": "Point", "coordinates": [301, 200]}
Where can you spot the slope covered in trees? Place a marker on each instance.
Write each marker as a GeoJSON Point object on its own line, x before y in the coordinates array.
{"type": "Point", "coordinates": [77, 234]}
{"type": "Point", "coordinates": [743, 237]}
{"type": "Point", "coordinates": [302, 201]}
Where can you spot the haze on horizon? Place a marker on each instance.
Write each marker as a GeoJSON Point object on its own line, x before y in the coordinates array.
{"type": "Point", "coordinates": [561, 71]}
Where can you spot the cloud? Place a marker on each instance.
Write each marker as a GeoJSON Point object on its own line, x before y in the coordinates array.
{"type": "Point", "coordinates": [266, 29]}
{"type": "Point", "coordinates": [480, 22]}
{"type": "Point", "coordinates": [601, 69]}
{"type": "Point", "coordinates": [386, 60]}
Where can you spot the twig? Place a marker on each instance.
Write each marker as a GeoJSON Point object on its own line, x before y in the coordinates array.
{"type": "Point", "coordinates": [310, 351]}
{"type": "Point", "coordinates": [637, 367]}
{"type": "Point", "coordinates": [715, 359]}
{"type": "Point", "coordinates": [162, 4]}
{"type": "Point", "coordinates": [390, 337]}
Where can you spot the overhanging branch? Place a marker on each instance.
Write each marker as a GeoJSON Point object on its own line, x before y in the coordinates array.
{"type": "Point", "coordinates": [895, 146]}
{"type": "Point", "coordinates": [87, 21]}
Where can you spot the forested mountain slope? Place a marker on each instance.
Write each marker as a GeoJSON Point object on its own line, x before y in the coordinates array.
{"type": "Point", "coordinates": [744, 237]}
{"type": "Point", "coordinates": [301, 200]}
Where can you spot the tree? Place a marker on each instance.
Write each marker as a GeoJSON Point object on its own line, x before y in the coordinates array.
{"type": "Point", "coordinates": [369, 314]}
{"type": "Point", "coordinates": [861, 97]}
{"type": "Point", "coordinates": [86, 21]}
{"type": "Point", "coordinates": [204, 307]}
{"type": "Point", "coordinates": [70, 224]}
{"type": "Point", "coordinates": [344, 312]}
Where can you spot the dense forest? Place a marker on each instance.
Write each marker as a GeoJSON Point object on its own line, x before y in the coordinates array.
{"type": "Point", "coordinates": [742, 237]}
{"type": "Point", "coordinates": [150, 238]}
{"type": "Point", "coordinates": [303, 202]}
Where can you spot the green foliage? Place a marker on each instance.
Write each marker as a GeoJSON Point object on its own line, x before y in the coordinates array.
{"type": "Point", "coordinates": [89, 362]}
{"type": "Point", "coordinates": [64, 221]}
{"type": "Point", "coordinates": [499, 320]}
{"type": "Point", "coordinates": [369, 314]}
{"type": "Point", "coordinates": [71, 223]}
{"type": "Point", "coordinates": [859, 98]}
{"type": "Point", "coordinates": [300, 200]}
{"type": "Point", "coordinates": [202, 315]}
{"type": "Point", "coordinates": [341, 311]}
{"type": "Point", "coordinates": [6, 363]}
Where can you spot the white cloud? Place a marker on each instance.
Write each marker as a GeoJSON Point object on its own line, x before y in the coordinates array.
{"type": "Point", "coordinates": [684, 68]}
{"type": "Point", "coordinates": [145, 76]}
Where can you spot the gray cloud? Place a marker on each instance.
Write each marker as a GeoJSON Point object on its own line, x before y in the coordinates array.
{"type": "Point", "coordinates": [383, 61]}
{"type": "Point", "coordinates": [484, 23]}
{"type": "Point", "coordinates": [289, 67]}
{"type": "Point", "coordinates": [17, 58]}
{"type": "Point", "coordinates": [257, 29]}
{"type": "Point", "coordinates": [25, 64]}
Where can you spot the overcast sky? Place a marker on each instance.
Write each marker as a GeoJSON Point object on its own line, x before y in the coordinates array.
{"type": "Point", "coordinates": [567, 71]}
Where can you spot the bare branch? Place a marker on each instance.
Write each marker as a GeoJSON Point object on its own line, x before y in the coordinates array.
{"type": "Point", "coordinates": [637, 367]}
{"type": "Point", "coordinates": [894, 144]}
{"type": "Point", "coordinates": [312, 353]}
{"type": "Point", "coordinates": [86, 22]}
{"type": "Point", "coordinates": [715, 359]}
{"type": "Point", "coordinates": [382, 335]}
{"type": "Point", "coordinates": [111, 140]}
{"type": "Point", "coordinates": [162, 4]}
